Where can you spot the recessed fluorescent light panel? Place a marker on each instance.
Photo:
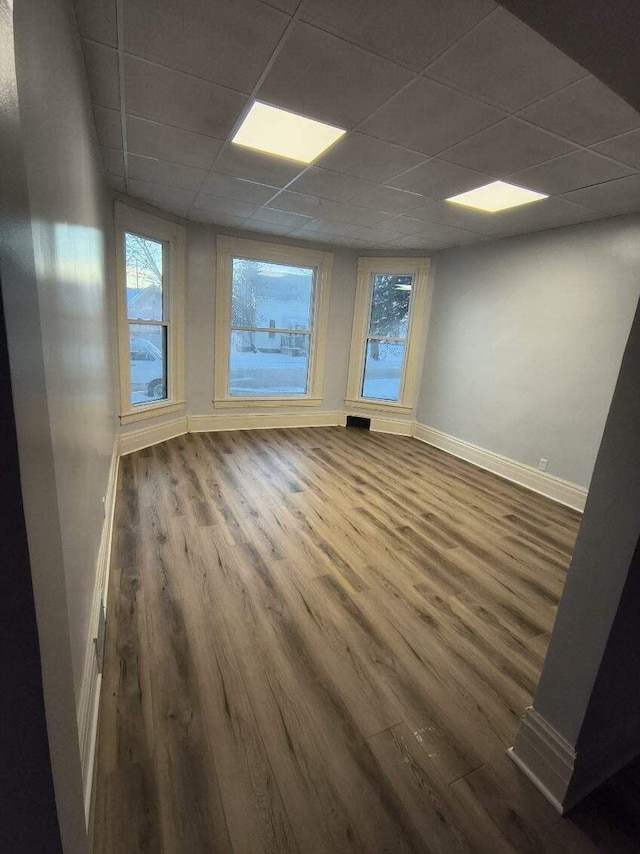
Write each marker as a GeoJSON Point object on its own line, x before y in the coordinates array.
{"type": "Point", "coordinates": [286, 134]}
{"type": "Point", "coordinates": [497, 196]}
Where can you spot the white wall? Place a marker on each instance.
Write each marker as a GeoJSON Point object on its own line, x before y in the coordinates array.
{"type": "Point", "coordinates": [525, 342]}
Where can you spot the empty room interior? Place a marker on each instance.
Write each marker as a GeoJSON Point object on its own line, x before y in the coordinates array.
{"type": "Point", "coordinates": [321, 409]}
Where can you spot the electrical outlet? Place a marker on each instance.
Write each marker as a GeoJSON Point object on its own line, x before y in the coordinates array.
{"type": "Point", "coordinates": [542, 465]}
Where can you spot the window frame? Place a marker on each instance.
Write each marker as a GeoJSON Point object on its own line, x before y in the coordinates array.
{"type": "Point", "coordinates": [229, 248]}
{"type": "Point", "coordinates": [172, 236]}
{"type": "Point", "coordinates": [415, 342]}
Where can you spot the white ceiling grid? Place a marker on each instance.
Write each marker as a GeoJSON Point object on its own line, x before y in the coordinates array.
{"type": "Point", "coordinates": [437, 96]}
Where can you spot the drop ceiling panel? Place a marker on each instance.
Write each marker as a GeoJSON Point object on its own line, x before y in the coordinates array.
{"type": "Point", "coordinates": [367, 157]}
{"type": "Point", "coordinates": [429, 117]}
{"type": "Point", "coordinates": [438, 179]}
{"type": "Point", "coordinates": [226, 42]}
{"type": "Point", "coordinates": [321, 76]}
{"type": "Point", "coordinates": [510, 146]}
{"type": "Point", "coordinates": [302, 203]}
{"type": "Point", "coordinates": [389, 199]}
{"type": "Point", "coordinates": [101, 64]}
{"type": "Point", "coordinates": [420, 241]}
{"type": "Point", "coordinates": [614, 197]}
{"type": "Point", "coordinates": [178, 99]}
{"type": "Point", "coordinates": [97, 20]}
{"type": "Point", "coordinates": [586, 112]}
{"type": "Point", "coordinates": [112, 160]}
{"type": "Point", "coordinates": [225, 207]}
{"type": "Point", "coordinates": [229, 187]}
{"type": "Point", "coordinates": [625, 148]}
{"type": "Point", "coordinates": [505, 62]}
{"type": "Point", "coordinates": [329, 185]}
{"type": "Point", "coordinates": [163, 172]}
{"type": "Point", "coordinates": [152, 139]}
{"type": "Point", "coordinates": [409, 32]}
{"type": "Point", "coordinates": [172, 199]}
{"type": "Point", "coordinates": [108, 127]}
{"type": "Point", "coordinates": [570, 172]}
{"type": "Point", "coordinates": [255, 166]}
{"type": "Point", "coordinates": [199, 215]}
{"type": "Point", "coordinates": [353, 215]}
{"type": "Point", "coordinates": [280, 219]}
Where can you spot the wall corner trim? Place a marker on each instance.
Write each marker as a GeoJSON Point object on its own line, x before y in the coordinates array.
{"type": "Point", "coordinates": [89, 702]}
{"type": "Point", "coordinates": [545, 757]}
{"type": "Point", "coordinates": [562, 491]}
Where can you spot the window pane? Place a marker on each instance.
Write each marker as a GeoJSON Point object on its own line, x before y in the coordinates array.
{"type": "Point", "coordinates": [275, 295]}
{"type": "Point", "coordinates": [143, 258]}
{"type": "Point", "coordinates": [390, 305]}
{"type": "Point", "coordinates": [147, 354]}
{"type": "Point", "coordinates": [383, 370]}
{"type": "Point", "coordinates": [261, 365]}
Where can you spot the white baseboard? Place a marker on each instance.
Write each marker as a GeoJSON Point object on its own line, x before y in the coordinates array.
{"type": "Point", "coordinates": [136, 440]}
{"type": "Point", "coordinates": [260, 421]}
{"type": "Point", "coordinates": [392, 425]}
{"type": "Point", "coordinates": [91, 680]}
{"type": "Point", "coordinates": [562, 491]}
{"type": "Point", "coordinates": [546, 758]}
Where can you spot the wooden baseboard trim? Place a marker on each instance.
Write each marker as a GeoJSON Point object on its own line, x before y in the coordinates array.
{"type": "Point", "coordinates": [562, 491]}
{"type": "Point", "coordinates": [88, 704]}
{"type": "Point", "coordinates": [136, 440]}
{"type": "Point", "coordinates": [260, 421]}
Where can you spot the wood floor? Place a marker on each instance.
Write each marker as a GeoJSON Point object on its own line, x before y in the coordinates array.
{"type": "Point", "coordinates": [322, 640]}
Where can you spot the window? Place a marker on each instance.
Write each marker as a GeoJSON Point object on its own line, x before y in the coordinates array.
{"type": "Point", "coordinates": [389, 331]}
{"type": "Point", "coordinates": [271, 316]}
{"type": "Point", "coordinates": [150, 267]}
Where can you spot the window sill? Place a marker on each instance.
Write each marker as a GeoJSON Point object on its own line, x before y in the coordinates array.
{"type": "Point", "coordinates": [151, 410]}
{"type": "Point", "coordinates": [379, 405]}
{"type": "Point", "coordinates": [264, 402]}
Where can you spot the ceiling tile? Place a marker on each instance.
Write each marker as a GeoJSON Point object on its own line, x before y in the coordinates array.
{"type": "Point", "coordinates": [227, 42]}
{"type": "Point", "coordinates": [302, 203]}
{"type": "Point", "coordinates": [115, 182]}
{"type": "Point", "coordinates": [438, 179]}
{"type": "Point", "coordinates": [329, 228]}
{"type": "Point", "coordinates": [377, 234]}
{"type": "Point", "coordinates": [170, 198]}
{"type": "Point", "coordinates": [353, 215]}
{"type": "Point", "coordinates": [458, 216]}
{"type": "Point", "coordinates": [329, 185]}
{"type": "Point", "coordinates": [163, 172]}
{"type": "Point", "coordinates": [505, 62]}
{"type": "Point", "coordinates": [625, 148]}
{"type": "Point", "coordinates": [281, 219]}
{"type": "Point", "coordinates": [421, 241]}
{"type": "Point", "coordinates": [550, 213]}
{"type": "Point", "coordinates": [367, 157]}
{"type": "Point", "coordinates": [310, 76]}
{"type": "Point", "coordinates": [112, 160]}
{"type": "Point", "coordinates": [237, 188]}
{"type": "Point", "coordinates": [569, 172]}
{"type": "Point", "coordinates": [222, 206]}
{"type": "Point", "coordinates": [108, 127]}
{"type": "Point", "coordinates": [199, 215]}
{"type": "Point", "coordinates": [389, 199]}
{"type": "Point", "coordinates": [288, 6]}
{"type": "Point", "coordinates": [97, 20]}
{"type": "Point", "coordinates": [586, 112]}
{"type": "Point", "coordinates": [507, 147]}
{"type": "Point", "coordinates": [402, 225]}
{"type": "Point", "coordinates": [101, 64]}
{"type": "Point", "coordinates": [615, 197]}
{"type": "Point", "coordinates": [152, 139]}
{"type": "Point", "coordinates": [178, 99]}
{"type": "Point", "coordinates": [445, 233]}
{"type": "Point", "coordinates": [410, 32]}
{"type": "Point", "coordinates": [429, 117]}
{"type": "Point", "coordinates": [255, 166]}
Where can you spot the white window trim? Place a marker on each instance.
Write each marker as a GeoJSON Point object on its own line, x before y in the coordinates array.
{"type": "Point", "coordinates": [173, 235]}
{"type": "Point", "coordinates": [416, 332]}
{"type": "Point", "coordinates": [227, 249]}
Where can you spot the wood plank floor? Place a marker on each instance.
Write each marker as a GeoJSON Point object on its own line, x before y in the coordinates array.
{"type": "Point", "coordinates": [322, 640]}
